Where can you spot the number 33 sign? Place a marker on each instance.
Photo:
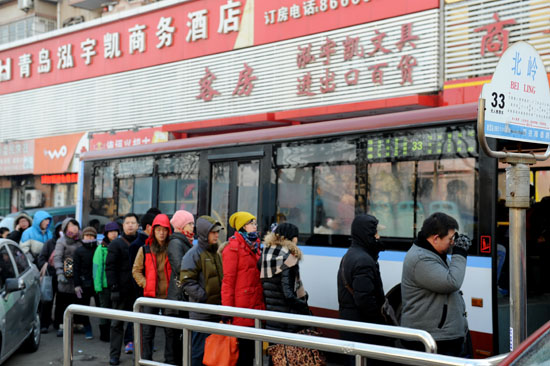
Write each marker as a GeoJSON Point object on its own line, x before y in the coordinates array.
{"type": "Point", "coordinates": [517, 101]}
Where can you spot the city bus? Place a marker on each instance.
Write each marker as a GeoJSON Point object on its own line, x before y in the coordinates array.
{"type": "Point", "coordinates": [399, 167]}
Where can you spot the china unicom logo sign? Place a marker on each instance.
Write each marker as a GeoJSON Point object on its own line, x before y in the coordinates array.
{"type": "Point", "coordinates": [56, 154]}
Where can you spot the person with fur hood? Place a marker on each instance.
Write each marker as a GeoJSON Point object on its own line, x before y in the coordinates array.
{"type": "Point", "coordinates": [280, 276]}
{"type": "Point", "coordinates": [241, 285]}
{"type": "Point", "coordinates": [152, 272]}
{"type": "Point", "coordinates": [22, 222]}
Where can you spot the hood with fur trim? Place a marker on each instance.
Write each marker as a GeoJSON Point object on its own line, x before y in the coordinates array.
{"type": "Point", "coordinates": [273, 239]}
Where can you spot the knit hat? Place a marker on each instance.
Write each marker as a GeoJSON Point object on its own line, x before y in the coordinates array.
{"type": "Point", "coordinates": [240, 219]}
{"type": "Point", "coordinates": [287, 230]}
{"type": "Point", "coordinates": [111, 226]}
{"type": "Point", "coordinates": [89, 230]}
{"type": "Point", "coordinates": [181, 218]}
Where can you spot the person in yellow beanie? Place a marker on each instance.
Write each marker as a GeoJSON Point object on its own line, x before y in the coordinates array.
{"type": "Point", "coordinates": [240, 256]}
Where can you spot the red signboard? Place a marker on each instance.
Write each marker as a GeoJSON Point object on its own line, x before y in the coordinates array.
{"type": "Point", "coordinates": [54, 154]}
{"type": "Point", "coordinates": [183, 31]}
{"type": "Point", "coordinates": [59, 178]}
{"type": "Point", "coordinates": [108, 141]}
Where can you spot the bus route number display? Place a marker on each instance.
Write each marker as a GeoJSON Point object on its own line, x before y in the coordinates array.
{"type": "Point", "coordinates": [444, 141]}
{"type": "Point", "coordinates": [517, 101]}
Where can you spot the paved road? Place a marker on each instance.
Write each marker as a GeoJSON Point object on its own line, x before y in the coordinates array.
{"type": "Point", "coordinates": [87, 352]}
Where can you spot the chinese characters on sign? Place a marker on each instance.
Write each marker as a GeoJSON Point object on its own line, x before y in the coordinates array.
{"type": "Point", "coordinates": [17, 157]}
{"type": "Point", "coordinates": [309, 8]}
{"type": "Point", "coordinates": [195, 25]}
{"type": "Point", "coordinates": [353, 48]}
{"type": "Point", "coordinates": [118, 140]}
{"type": "Point", "coordinates": [496, 38]}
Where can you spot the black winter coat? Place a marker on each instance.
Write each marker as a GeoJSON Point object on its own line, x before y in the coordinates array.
{"type": "Point", "coordinates": [177, 247]}
{"type": "Point", "coordinates": [83, 265]}
{"type": "Point", "coordinates": [279, 290]}
{"type": "Point", "coordinates": [359, 270]}
{"type": "Point", "coordinates": [118, 267]}
{"type": "Point", "coordinates": [45, 253]}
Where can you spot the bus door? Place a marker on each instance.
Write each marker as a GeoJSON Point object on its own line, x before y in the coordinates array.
{"type": "Point", "coordinates": [235, 186]}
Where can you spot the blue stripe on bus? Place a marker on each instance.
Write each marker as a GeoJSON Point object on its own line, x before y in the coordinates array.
{"type": "Point", "coordinates": [392, 256]}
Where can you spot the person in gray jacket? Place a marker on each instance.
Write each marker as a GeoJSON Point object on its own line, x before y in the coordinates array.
{"type": "Point", "coordinates": [430, 285]}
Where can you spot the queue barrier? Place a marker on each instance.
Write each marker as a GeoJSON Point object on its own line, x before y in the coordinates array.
{"type": "Point", "coordinates": [360, 350]}
{"type": "Point", "coordinates": [259, 315]}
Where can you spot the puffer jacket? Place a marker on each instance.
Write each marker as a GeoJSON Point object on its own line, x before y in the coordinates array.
{"type": "Point", "coordinates": [360, 271]}
{"type": "Point", "coordinates": [33, 238]}
{"type": "Point", "coordinates": [151, 269]}
{"type": "Point", "coordinates": [118, 267]}
{"type": "Point", "coordinates": [83, 265]}
{"type": "Point", "coordinates": [280, 275]}
{"type": "Point", "coordinates": [178, 246]}
{"type": "Point", "coordinates": [430, 291]}
{"type": "Point", "coordinates": [241, 285]}
{"type": "Point", "coordinates": [201, 270]}
{"type": "Point", "coordinates": [65, 248]}
{"type": "Point", "coordinates": [98, 266]}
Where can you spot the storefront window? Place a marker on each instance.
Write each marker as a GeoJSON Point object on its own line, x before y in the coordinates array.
{"type": "Point", "coordinates": [4, 201]}
{"type": "Point", "coordinates": [219, 206]}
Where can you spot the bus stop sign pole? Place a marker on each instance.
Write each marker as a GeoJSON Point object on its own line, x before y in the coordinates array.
{"type": "Point", "coordinates": [513, 107]}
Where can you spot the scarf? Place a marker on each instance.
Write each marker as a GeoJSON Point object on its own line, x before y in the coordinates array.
{"type": "Point", "coordinates": [251, 239]}
{"type": "Point", "coordinates": [190, 236]}
{"type": "Point", "coordinates": [275, 259]}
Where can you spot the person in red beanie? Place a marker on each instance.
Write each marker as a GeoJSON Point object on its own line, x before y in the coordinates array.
{"type": "Point", "coordinates": [152, 272]}
{"type": "Point", "coordinates": [240, 257]}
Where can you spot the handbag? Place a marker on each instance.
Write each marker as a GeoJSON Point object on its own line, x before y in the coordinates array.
{"type": "Point", "coordinates": [285, 355]}
{"type": "Point", "coordinates": [46, 288]}
{"type": "Point", "coordinates": [220, 350]}
{"type": "Point", "coordinates": [68, 267]}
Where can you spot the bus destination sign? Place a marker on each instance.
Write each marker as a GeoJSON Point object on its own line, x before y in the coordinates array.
{"type": "Point", "coordinates": [437, 142]}
{"type": "Point", "coordinates": [517, 101]}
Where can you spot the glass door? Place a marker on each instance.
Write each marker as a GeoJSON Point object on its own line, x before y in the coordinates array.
{"type": "Point", "coordinates": [234, 187]}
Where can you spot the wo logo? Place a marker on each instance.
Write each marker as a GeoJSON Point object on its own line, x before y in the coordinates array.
{"type": "Point", "coordinates": [56, 154]}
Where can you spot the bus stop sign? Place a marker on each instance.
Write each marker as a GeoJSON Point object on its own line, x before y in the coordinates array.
{"type": "Point", "coordinates": [517, 101]}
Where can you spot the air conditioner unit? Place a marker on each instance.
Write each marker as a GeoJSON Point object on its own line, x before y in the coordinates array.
{"type": "Point", "coordinates": [25, 5]}
{"type": "Point", "coordinates": [33, 198]}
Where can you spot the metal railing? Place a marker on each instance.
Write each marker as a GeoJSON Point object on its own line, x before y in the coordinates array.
{"type": "Point", "coordinates": [391, 354]}
{"type": "Point", "coordinates": [305, 320]}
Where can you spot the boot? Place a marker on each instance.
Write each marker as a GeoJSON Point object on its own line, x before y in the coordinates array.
{"type": "Point", "coordinates": [104, 332]}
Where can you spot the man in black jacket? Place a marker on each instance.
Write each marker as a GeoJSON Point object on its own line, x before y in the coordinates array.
{"type": "Point", "coordinates": [121, 283]}
{"type": "Point", "coordinates": [360, 291]}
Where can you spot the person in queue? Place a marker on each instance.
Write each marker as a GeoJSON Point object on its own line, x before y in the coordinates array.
{"type": "Point", "coordinates": [430, 285]}
{"type": "Point", "coordinates": [121, 284]}
{"type": "Point", "coordinates": [83, 274]}
{"type": "Point", "coordinates": [47, 268]}
{"type": "Point", "coordinates": [111, 232]}
{"type": "Point", "coordinates": [360, 290]}
{"type": "Point", "coordinates": [152, 271]}
{"type": "Point", "coordinates": [22, 222]}
{"type": "Point", "coordinates": [180, 242]}
{"type": "Point", "coordinates": [240, 256]}
{"type": "Point", "coordinates": [4, 232]}
{"type": "Point", "coordinates": [201, 275]}
{"type": "Point", "coordinates": [280, 275]}
{"type": "Point", "coordinates": [63, 259]}
{"type": "Point", "coordinates": [146, 224]}
{"type": "Point", "coordinates": [36, 235]}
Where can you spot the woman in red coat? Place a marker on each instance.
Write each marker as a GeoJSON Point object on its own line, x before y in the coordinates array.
{"type": "Point", "coordinates": [241, 285]}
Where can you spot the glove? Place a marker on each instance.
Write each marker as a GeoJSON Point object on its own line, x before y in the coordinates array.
{"type": "Point", "coordinates": [115, 297]}
{"type": "Point", "coordinates": [463, 242]}
{"type": "Point", "coordinates": [78, 291]}
{"type": "Point", "coordinates": [61, 278]}
{"type": "Point", "coordinates": [227, 319]}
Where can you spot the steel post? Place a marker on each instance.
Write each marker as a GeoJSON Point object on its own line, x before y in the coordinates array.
{"type": "Point", "coordinates": [258, 359]}
{"type": "Point", "coordinates": [517, 199]}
